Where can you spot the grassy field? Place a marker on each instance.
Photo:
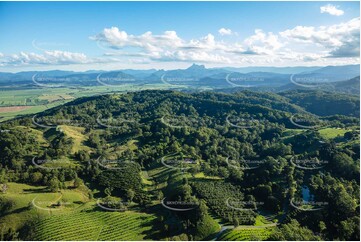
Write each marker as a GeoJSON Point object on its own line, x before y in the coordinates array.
{"type": "Point", "coordinates": [331, 133]}
{"type": "Point", "coordinates": [37, 134]}
{"type": "Point", "coordinates": [201, 175]}
{"type": "Point", "coordinates": [76, 133]}
{"type": "Point", "coordinates": [291, 132]}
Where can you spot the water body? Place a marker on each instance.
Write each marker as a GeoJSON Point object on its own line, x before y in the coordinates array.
{"type": "Point", "coordinates": [306, 195]}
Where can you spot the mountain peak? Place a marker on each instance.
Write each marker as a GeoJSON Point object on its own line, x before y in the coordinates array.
{"type": "Point", "coordinates": [196, 67]}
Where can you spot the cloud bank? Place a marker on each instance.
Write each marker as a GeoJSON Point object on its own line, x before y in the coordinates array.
{"type": "Point", "coordinates": [301, 45]}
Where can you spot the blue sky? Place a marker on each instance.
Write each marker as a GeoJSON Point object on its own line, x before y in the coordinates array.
{"type": "Point", "coordinates": [111, 35]}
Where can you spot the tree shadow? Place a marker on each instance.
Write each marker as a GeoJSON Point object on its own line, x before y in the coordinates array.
{"type": "Point", "coordinates": [36, 190]}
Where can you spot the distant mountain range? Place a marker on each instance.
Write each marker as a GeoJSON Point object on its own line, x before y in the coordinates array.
{"type": "Point", "coordinates": [196, 76]}
{"type": "Point", "coordinates": [280, 70]}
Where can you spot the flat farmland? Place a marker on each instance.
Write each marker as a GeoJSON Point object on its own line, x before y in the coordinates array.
{"type": "Point", "coordinates": [18, 102]}
{"type": "Point", "coordinates": [13, 109]}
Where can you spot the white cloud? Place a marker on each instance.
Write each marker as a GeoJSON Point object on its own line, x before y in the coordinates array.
{"type": "Point", "coordinates": [55, 57]}
{"type": "Point", "coordinates": [331, 9]}
{"type": "Point", "coordinates": [340, 39]}
{"type": "Point", "coordinates": [263, 43]}
{"type": "Point", "coordinates": [116, 38]}
{"type": "Point", "coordinates": [312, 45]}
{"type": "Point", "coordinates": [224, 31]}
{"type": "Point", "coordinates": [167, 46]}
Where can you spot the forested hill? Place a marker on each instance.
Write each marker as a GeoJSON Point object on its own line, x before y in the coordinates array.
{"type": "Point", "coordinates": [155, 104]}
{"type": "Point", "coordinates": [241, 159]}
{"type": "Point", "coordinates": [325, 103]}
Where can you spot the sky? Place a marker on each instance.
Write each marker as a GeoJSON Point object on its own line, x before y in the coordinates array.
{"type": "Point", "coordinates": [168, 35]}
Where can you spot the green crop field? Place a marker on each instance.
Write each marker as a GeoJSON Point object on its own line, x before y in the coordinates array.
{"type": "Point", "coordinates": [247, 233]}
{"type": "Point", "coordinates": [30, 202]}
{"type": "Point", "coordinates": [96, 225]}
{"type": "Point", "coordinates": [77, 218]}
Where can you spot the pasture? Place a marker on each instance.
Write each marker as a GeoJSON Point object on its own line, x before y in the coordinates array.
{"type": "Point", "coordinates": [331, 133]}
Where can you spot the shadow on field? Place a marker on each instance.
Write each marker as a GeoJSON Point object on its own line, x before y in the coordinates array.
{"type": "Point", "coordinates": [37, 190]}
